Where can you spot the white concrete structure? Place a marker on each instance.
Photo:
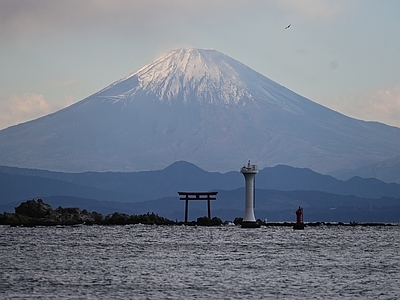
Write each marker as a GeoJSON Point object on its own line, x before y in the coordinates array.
{"type": "Point", "coordinates": [249, 173]}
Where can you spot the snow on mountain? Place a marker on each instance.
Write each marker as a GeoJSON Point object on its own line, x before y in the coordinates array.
{"type": "Point", "coordinates": [199, 106]}
{"type": "Point", "coordinates": [197, 75]}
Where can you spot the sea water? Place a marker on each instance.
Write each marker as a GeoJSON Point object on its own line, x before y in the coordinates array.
{"type": "Point", "coordinates": [181, 262]}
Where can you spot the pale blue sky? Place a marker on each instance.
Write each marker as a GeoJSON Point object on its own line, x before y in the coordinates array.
{"type": "Point", "coordinates": [342, 54]}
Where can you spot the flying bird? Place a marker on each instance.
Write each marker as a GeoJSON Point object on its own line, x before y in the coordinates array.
{"type": "Point", "coordinates": [288, 26]}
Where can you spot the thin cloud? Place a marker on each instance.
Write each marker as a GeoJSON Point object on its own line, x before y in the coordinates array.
{"type": "Point", "coordinates": [29, 106]}
{"type": "Point", "coordinates": [381, 105]}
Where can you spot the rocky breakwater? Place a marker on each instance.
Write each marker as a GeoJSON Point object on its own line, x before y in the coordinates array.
{"type": "Point", "coordinates": [37, 213]}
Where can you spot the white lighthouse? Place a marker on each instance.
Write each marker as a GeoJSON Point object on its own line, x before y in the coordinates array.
{"type": "Point", "coordinates": [249, 172]}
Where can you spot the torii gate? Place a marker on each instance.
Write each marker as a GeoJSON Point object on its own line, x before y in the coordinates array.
{"type": "Point", "coordinates": [197, 196]}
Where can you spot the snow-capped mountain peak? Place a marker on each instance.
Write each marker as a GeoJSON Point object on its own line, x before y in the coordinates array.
{"type": "Point", "coordinates": [201, 76]}
{"type": "Point", "coordinates": [185, 75]}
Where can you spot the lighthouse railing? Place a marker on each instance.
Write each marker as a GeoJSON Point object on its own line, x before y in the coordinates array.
{"type": "Point", "coordinates": [249, 168]}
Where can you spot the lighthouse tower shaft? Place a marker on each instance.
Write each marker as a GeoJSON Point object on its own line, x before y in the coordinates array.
{"type": "Point", "coordinates": [249, 173]}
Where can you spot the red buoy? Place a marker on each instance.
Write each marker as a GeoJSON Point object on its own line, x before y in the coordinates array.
{"type": "Point", "coordinates": [299, 219]}
{"type": "Point", "coordinates": [299, 215]}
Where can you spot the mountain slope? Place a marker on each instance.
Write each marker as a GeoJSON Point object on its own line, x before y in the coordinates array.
{"type": "Point", "coordinates": [15, 187]}
{"type": "Point", "coordinates": [199, 106]}
{"type": "Point", "coordinates": [387, 171]}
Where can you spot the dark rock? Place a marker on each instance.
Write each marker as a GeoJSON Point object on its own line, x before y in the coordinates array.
{"type": "Point", "coordinates": [238, 221]}
{"type": "Point", "coordinates": [205, 221]}
{"type": "Point", "coordinates": [69, 216]}
{"type": "Point", "coordinates": [94, 218]}
{"type": "Point", "coordinates": [117, 219]}
{"type": "Point", "coordinates": [16, 220]}
{"type": "Point", "coordinates": [32, 213]}
{"type": "Point", "coordinates": [33, 209]}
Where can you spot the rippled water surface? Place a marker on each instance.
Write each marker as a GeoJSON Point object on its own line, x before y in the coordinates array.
{"type": "Point", "coordinates": [178, 262]}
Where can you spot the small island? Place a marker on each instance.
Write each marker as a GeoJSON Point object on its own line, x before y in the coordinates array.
{"type": "Point", "coordinates": [37, 213]}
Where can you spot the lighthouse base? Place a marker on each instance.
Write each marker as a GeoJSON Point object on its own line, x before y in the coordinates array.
{"type": "Point", "coordinates": [298, 226]}
{"type": "Point", "coordinates": [250, 224]}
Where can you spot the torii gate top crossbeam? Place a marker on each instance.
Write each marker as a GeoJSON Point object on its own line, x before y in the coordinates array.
{"type": "Point", "coordinates": [197, 196]}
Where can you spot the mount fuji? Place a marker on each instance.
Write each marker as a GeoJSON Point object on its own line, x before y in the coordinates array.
{"type": "Point", "coordinates": [199, 106]}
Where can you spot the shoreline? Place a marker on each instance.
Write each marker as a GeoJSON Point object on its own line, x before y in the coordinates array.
{"type": "Point", "coordinates": [38, 214]}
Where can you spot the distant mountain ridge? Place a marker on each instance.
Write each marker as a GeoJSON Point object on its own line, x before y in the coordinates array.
{"type": "Point", "coordinates": [201, 106]}
{"type": "Point", "coordinates": [279, 190]}
{"type": "Point", "coordinates": [387, 171]}
{"type": "Point", "coordinates": [20, 184]}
